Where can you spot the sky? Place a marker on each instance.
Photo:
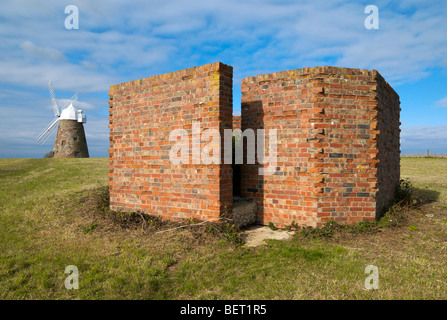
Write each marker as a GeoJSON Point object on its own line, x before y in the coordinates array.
{"type": "Point", "coordinates": [120, 41]}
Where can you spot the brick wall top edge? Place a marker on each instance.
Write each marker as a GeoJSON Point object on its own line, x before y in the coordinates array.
{"type": "Point", "coordinates": [216, 66]}
{"type": "Point", "coordinates": [379, 78]}
{"type": "Point", "coordinates": [313, 71]}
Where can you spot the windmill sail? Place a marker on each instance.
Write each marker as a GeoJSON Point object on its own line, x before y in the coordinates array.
{"type": "Point", "coordinates": [73, 99]}
{"type": "Point", "coordinates": [53, 100]}
{"type": "Point", "coordinates": [46, 133]}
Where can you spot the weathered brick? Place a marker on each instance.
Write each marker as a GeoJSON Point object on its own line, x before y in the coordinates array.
{"type": "Point", "coordinates": [338, 144]}
{"type": "Point", "coordinates": [342, 111]}
{"type": "Point", "coordinates": [141, 175]}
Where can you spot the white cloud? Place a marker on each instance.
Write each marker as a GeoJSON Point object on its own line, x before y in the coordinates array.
{"type": "Point", "coordinates": [89, 65]}
{"type": "Point", "coordinates": [419, 139]}
{"type": "Point", "coordinates": [48, 53]}
{"type": "Point", "coordinates": [120, 41]}
{"type": "Point", "coordinates": [118, 38]}
{"type": "Point", "coordinates": [442, 103]}
{"type": "Point", "coordinates": [65, 76]}
{"type": "Point", "coordinates": [77, 104]}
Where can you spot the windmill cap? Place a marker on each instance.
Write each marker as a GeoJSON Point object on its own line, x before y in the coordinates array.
{"type": "Point", "coordinates": [71, 113]}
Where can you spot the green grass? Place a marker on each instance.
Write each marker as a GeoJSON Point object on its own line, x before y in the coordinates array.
{"type": "Point", "coordinates": [50, 217]}
{"type": "Point", "coordinates": [429, 175]}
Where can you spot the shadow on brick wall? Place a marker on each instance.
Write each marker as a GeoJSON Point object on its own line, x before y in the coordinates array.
{"type": "Point", "coordinates": [252, 183]}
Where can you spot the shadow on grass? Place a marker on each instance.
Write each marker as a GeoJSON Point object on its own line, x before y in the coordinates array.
{"type": "Point", "coordinates": [426, 195]}
{"type": "Point", "coordinates": [408, 199]}
{"type": "Point", "coordinates": [406, 194]}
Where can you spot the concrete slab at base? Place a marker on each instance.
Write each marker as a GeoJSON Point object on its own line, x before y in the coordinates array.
{"type": "Point", "coordinates": [256, 235]}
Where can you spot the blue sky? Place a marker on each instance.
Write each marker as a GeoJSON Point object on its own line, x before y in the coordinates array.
{"type": "Point", "coordinates": [119, 41]}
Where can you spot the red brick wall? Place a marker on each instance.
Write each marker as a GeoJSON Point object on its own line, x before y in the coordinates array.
{"type": "Point", "coordinates": [388, 116]}
{"type": "Point", "coordinates": [142, 115]}
{"type": "Point", "coordinates": [335, 159]}
{"type": "Point", "coordinates": [236, 122]}
{"type": "Point", "coordinates": [274, 101]}
{"type": "Point", "coordinates": [337, 153]}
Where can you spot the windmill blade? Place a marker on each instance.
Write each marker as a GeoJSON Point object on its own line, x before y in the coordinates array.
{"type": "Point", "coordinates": [73, 99]}
{"type": "Point", "coordinates": [53, 100]}
{"type": "Point", "coordinates": [46, 133]}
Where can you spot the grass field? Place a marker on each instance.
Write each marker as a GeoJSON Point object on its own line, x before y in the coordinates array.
{"type": "Point", "coordinates": [51, 217]}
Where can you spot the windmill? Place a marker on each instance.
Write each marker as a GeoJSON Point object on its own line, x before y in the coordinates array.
{"type": "Point", "coordinates": [70, 139]}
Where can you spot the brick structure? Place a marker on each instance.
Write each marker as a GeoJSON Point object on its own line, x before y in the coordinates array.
{"type": "Point", "coordinates": [142, 115]}
{"type": "Point", "coordinates": [236, 122]}
{"type": "Point", "coordinates": [70, 140]}
{"type": "Point", "coordinates": [337, 154]}
{"type": "Point", "coordinates": [338, 144]}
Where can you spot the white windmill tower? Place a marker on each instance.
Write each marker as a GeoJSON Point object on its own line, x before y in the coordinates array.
{"type": "Point", "coordinates": [70, 139]}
